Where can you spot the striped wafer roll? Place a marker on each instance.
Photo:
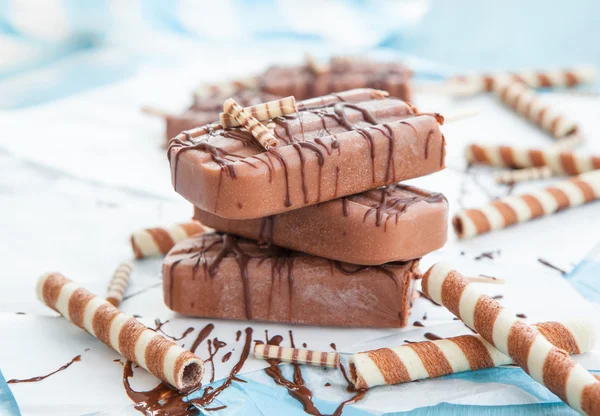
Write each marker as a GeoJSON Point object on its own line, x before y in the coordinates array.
{"type": "Point", "coordinates": [431, 359]}
{"type": "Point", "coordinates": [118, 283]}
{"type": "Point", "coordinates": [297, 356]}
{"type": "Point", "coordinates": [526, 102]}
{"type": "Point", "coordinates": [133, 340]}
{"type": "Point", "coordinates": [561, 162]}
{"type": "Point", "coordinates": [264, 111]}
{"type": "Point", "coordinates": [523, 175]}
{"type": "Point", "coordinates": [358, 94]}
{"type": "Point", "coordinates": [514, 209]}
{"type": "Point", "coordinates": [158, 241]}
{"type": "Point", "coordinates": [226, 88]}
{"type": "Point", "coordinates": [544, 362]}
{"type": "Point", "coordinates": [553, 78]}
{"type": "Point", "coordinates": [261, 133]}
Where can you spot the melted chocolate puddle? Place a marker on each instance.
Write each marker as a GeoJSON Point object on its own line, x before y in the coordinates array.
{"type": "Point", "coordinates": [40, 378]}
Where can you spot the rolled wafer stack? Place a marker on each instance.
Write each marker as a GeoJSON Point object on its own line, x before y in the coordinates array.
{"type": "Point", "coordinates": [118, 283]}
{"type": "Point", "coordinates": [297, 356]}
{"type": "Point", "coordinates": [158, 241]}
{"type": "Point", "coordinates": [520, 208]}
{"type": "Point", "coordinates": [526, 102]}
{"type": "Point", "coordinates": [523, 175]}
{"type": "Point", "coordinates": [544, 362]}
{"type": "Point", "coordinates": [262, 112]}
{"type": "Point", "coordinates": [561, 162]}
{"type": "Point", "coordinates": [261, 133]}
{"type": "Point", "coordinates": [476, 83]}
{"type": "Point", "coordinates": [133, 340]}
{"type": "Point", "coordinates": [438, 358]}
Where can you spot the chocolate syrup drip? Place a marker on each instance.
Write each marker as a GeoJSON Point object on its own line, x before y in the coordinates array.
{"type": "Point", "coordinates": [371, 143]}
{"type": "Point", "coordinates": [391, 136]}
{"type": "Point", "coordinates": [287, 201]}
{"type": "Point", "coordinates": [429, 135]}
{"type": "Point", "coordinates": [226, 357]}
{"type": "Point", "coordinates": [304, 345]}
{"type": "Point", "coordinates": [552, 266]}
{"type": "Point", "coordinates": [522, 316]}
{"type": "Point", "coordinates": [431, 337]}
{"type": "Point", "coordinates": [202, 335]}
{"type": "Point", "coordinates": [396, 206]}
{"type": "Point", "coordinates": [160, 401]}
{"type": "Point", "coordinates": [209, 393]}
{"type": "Point", "coordinates": [158, 328]}
{"type": "Point", "coordinates": [345, 208]}
{"type": "Point", "coordinates": [265, 234]}
{"type": "Point", "coordinates": [211, 355]}
{"type": "Point", "coordinates": [418, 324]}
{"type": "Point", "coordinates": [40, 378]}
{"type": "Point", "coordinates": [238, 334]}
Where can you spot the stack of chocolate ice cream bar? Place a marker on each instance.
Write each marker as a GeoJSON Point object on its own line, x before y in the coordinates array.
{"type": "Point", "coordinates": [319, 228]}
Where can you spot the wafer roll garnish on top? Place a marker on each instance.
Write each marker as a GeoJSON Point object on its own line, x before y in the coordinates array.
{"type": "Point", "coordinates": [560, 161]}
{"type": "Point", "coordinates": [118, 283]}
{"type": "Point", "coordinates": [297, 355]}
{"type": "Point", "coordinates": [528, 103]}
{"type": "Point", "coordinates": [158, 241]}
{"type": "Point", "coordinates": [358, 94]}
{"type": "Point", "coordinates": [430, 359]}
{"type": "Point", "coordinates": [262, 112]}
{"type": "Point", "coordinates": [125, 334]}
{"type": "Point", "coordinates": [475, 83]}
{"type": "Point", "coordinates": [544, 362]}
{"type": "Point", "coordinates": [245, 119]}
{"type": "Point", "coordinates": [514, 209]}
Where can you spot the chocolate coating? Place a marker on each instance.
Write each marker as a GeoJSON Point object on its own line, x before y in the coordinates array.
{"type": "Point", "coordinates": [325, 153]}
{"type": "Point", "coordinates": [222, 276]}
{"type": "Point", "coordinates": [395, 223]}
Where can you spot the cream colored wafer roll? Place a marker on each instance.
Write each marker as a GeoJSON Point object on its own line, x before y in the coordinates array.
{"type": "Point", "coordinates": [263, 112]}
{"type": "Point", "coordinates": [526, 102]}
{"type": "Point", "coordinates": [553, 78]}
{"type": "Point", "coordinates": [262, 134]}
{"type": "Point", "coordinates": [357, 94]}
{"type": "Point", "coordinates": [118, 283]}
{"type": "Point", "coordinates": [561, 162]}
{"type": "Point", "coordinates": [133, 340]}
{"type": "Point", "coordinates": [514, 209]}
{"type": "Point", "coordinates": [523, 175]}
{"type": "Point", "coordinates": [226, 89]}
{"type": "Point", "coordinates": [544, 362]}
{"type": "Point", "coordinates": [297, 356]}
{"type": "Point", "coordinates": [430, 359]}
{"type": "Point", "coordinates": [158, 241]}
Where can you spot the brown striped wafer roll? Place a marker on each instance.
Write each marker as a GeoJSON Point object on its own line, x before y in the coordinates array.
{"type": "Point", "coordinates": [158, 241]}
{"type": "Point", "coordinates": [526, 101]}
{"type": "Point", "coordinates": [264, 111]}
{"type": "Point", "coordinates": [562, 77]}
{"type": "Point", "coordinates": [297, 356]}
{"type": "Point", "coordinates": [133, 340]}
{"type": "Point", "coordinates": [262, 134]}
{"type": "Point", "coordinates": [514, 209]}
{"type": "Point", "coordinates": [118, 283]}
{"type": "Point", "coordinates": [523, 175]}
{"type": "Point", "coordinates": [561, 162]}
{"type": "Point", "coordinates": [544, 362]}
{"type": "Point", "coordinates": [430, 359]}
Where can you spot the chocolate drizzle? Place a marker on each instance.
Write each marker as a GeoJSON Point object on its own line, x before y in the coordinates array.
{"type": "Point", "coordinates": [40, 378]}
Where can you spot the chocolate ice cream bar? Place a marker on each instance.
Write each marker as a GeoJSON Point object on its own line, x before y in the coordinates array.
{"type": "Point", "coordinates": [393, 223]}
{"type": "Point", "coordinates": [222, 276]}
{"type": "Point", "coordinates": [336, 145]}
{"type": "Point", "coordinates": [341, 74]}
